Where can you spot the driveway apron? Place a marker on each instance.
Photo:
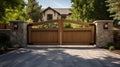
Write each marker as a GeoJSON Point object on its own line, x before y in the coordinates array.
{"type": "Point", "coordinates": [60, 57]}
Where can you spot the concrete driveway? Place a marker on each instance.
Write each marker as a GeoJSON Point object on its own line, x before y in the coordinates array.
{"type": "Point", "coordinates": [60, 57]}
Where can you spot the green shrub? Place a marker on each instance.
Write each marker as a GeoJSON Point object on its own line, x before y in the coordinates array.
{"type": "Point", "coordinates": [45, 26]}
{"type": "Point", "coordinates": [16, 45]}
{"type": "Point", "coordinates": [4, 37]}
{"type": "Point", "coordinates": [67, 25]}
{"type": "Point", "coordinates": [4, 41]}
{"type": "Point", "coordinates": [111, 46]}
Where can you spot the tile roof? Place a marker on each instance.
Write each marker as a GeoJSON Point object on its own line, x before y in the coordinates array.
{"type": "Point", "coordinates": [60, 10]}
{"type": "Point", "coordinates": [63, 10]}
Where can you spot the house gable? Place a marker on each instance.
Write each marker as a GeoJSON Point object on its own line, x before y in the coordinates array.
{"type": "Point", "coordinates": [49, 11]}
{"type": "Point", "coordinates": [49, 8]}
{"type": "Point", "coordinates": [57, 13]}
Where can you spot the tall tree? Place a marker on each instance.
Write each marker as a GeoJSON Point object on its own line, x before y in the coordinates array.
{"type": "Point", "coordinates": [89, 10]}
{"type": "Point", "coordinates": [9, 4]}
{"type": "Point", "coordinates": [13, 14]}
{"type": "Point", "coordinates": [114, 8]}
{"type": "Point", "coordinates": [33, 11]}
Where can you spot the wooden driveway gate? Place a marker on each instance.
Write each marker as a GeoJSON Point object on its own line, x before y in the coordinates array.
{"type": "Point", "coordinates": [60, 35]}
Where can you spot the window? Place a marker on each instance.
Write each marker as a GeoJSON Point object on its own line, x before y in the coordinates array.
{"type": "Point", "coordinates": [49, 16]}
{"type": "Point", "coordinates": [63, 16]}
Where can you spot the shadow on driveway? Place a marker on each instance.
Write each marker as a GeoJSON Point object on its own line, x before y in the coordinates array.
{"type": "Point", "coordinates": [60, 57]}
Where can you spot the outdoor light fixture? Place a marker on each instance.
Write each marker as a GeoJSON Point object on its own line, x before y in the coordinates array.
{"type": "Point", "coordinates": [105, 26]}
{"type": "Point", "coordinates": [15, 26]}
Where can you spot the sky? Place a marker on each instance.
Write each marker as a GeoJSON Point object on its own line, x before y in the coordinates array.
{"type": "Point", "coordinates": [54, 3]}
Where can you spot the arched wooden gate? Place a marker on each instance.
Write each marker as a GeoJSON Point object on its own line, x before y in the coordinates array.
{"type": "Point", "coordinates": [38, 34]}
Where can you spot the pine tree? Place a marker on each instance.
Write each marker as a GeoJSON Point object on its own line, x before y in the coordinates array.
{"type": "Point", "coordinates": [33, 11]}
{"type": "Point", "coordinates": [114, 8]}
{"type": "Point", "coordinates": [89, 10]}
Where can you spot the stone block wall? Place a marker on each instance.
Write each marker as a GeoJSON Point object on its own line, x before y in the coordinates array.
{"type": "Point", "coordinates": [7, 31]}
{"type": "Point", "coordinates": [103, 36]}
{"type": "Point", "coordinates": [19, 32]}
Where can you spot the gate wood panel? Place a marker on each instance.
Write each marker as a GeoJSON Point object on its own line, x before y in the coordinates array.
{"type": "Point", "coordinates": [42, 36]}
{"type": "Point", "coordinates": [4, 26]}
{"type": "Point", "coordinates": [79, 36]}
{"type": "Point", "coordinates": [60, 35]}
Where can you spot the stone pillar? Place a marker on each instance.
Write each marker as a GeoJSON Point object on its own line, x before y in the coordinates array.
{"type": "Point", "coordinates": [104, 34]}
{"type": "Point", "coordinates": [19, 32]}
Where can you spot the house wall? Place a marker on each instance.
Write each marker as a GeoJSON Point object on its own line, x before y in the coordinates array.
{"type": "Point", "coordinates": [55, 15]}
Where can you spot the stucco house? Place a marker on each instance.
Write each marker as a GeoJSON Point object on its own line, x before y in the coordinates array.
{"type": "Point", "coordinates": [55, 13]}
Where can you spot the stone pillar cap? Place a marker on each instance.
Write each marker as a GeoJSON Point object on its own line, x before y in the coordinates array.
{"type": "Point", "coordinates": [97, 21]}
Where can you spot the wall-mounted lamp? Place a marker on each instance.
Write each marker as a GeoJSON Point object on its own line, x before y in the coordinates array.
{"type": "Point", "coordinates": [105, 26]}
{"type": "Point", "coordinates": [15, 26]}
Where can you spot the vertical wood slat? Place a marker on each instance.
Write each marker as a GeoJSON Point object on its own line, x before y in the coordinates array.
{"type": "Point", "coordinates": [44, 36]}
{"type": "Point", "coordinates": [60, 30]}
{"type": "Point", "coordinates": [1, 26]}
{"type": "Point", "coordinates": [79, 36]}
{"type": "Point", "coordinates": [92, 33]}
{"type": "Point", "coordinates": [29, 31]}
{"type": "Point", "coordinates": [4, 26]}
{"type": "Point", "coordinates": [8, 26]}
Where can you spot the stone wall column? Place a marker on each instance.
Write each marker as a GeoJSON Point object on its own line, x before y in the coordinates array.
{"type": "Point", "coordinates": [103, 35]}
{"type": "Point", "coordinates": [19, 32]}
